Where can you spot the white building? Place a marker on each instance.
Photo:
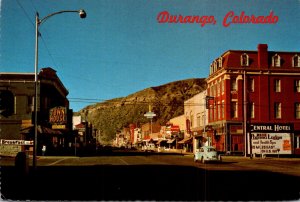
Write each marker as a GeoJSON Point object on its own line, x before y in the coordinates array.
{"type": "Point", "coordinates": [195, 113]}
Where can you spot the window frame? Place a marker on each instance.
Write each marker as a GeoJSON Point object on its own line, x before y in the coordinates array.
{"type": "Point", "coordinates": [297, 110]}
{"type": "Point", "coordinates": [296, 58]}
{"type": "Point", "coordinates": [277, 110]}
{"type": "Point", "coordinates": [277, 85]}
{"type": "Point", "coordinates": [245, 60]}
{"type": "Point", "coordinates": [297, 86]}
{"type": "Point", "coordinates": [234, 109]}
{"type": "Point", "coordinates": [233, 85]}
{"type": "Point", "coordinates": [276, 61]}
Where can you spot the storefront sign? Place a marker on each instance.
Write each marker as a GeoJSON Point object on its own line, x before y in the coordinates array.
{"type": "Point", "coordinates": [58, 117]}
{"type": "Point", "coordinates": [58, 126]}
{"type": "Point", "coordinates": [277, 128]}
{"type": "Point", "coordinates": [271, 143]}
{"type": "Point", "coordinates": [15, 142]}
{"type": "Point", "coordinates": [210, 102]}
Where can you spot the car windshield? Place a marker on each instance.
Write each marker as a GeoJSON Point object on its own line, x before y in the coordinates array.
{"type": "Point", "coordinates": [211, 149]}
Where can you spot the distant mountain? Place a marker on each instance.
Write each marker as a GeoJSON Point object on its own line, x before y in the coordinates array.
{"type": "Point", "coordinates": [167, 102]}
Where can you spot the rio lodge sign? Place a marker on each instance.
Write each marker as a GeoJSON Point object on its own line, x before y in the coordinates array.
{"type": "Point", "coordinates": [58, 117]}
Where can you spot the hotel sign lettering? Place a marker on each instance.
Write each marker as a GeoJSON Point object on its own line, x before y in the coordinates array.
{"type": "Point", "coordinates": [272, 128]}
{"type": "Point", "coordinates": [271, 143]}
{"type": "Point", "coordinates": [271, 138]}
{"type": "Point", "coordinates": [58, 117]}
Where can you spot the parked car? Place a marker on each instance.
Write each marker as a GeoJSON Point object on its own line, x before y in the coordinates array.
{"type": "Point", "coordinates": [207, 153]}
{"type": "Point", "coordinates": [149, 147]}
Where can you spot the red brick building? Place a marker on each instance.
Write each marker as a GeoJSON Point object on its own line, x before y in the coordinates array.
{"type": "Point", "coordinates": [254, 89]}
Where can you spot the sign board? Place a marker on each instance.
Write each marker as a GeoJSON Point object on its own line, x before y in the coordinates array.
{"type": "Point", "coordinates": [58, 117]}
{"type": "Point", "coordinates": [58, 126]}
{"type": "Point", "coordinates": [150, 115]}
{"type": "Point", "coordinates": [210, 102]}
{"type": "Point", "coordinates": [267, 138]}
{"type": "Point", "coordinates": [9, 150]}
{"type": "Point", "coordinates": [272, 128]}
{"type": "Point", "coordinates": [271, 143]}
{"type": "Point", "coordinates": [15, 142]}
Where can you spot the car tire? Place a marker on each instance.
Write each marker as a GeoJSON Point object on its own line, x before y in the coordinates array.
{"type": "Point", "coordinates": [202, 160]}
{"type": "Point", "coordinates": [220, 158]}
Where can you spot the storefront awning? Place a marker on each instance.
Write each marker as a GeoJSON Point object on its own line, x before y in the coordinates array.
{"type": "Point", "coordinates": [159, 141]}
{"type": "Point", "coordinates": [171, 141]}
{"type": "Point", "coordinates": [40, 130]}
{"type": "Point", "coordinates": [186, 141]}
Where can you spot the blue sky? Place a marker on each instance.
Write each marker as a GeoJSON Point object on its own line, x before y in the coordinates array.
{"type": "Point", "coordinates": [120, 48]}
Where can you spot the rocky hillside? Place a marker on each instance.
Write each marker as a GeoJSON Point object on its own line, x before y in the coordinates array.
{"type": "Point", "coordinates": [167, 102]}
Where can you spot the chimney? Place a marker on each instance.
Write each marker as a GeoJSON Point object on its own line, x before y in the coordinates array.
{"type": "Point", "coordinates": [262, 56]}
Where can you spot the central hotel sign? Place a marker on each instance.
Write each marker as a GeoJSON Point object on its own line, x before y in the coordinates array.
{"type": "Point", "coordinates": [279, 128]}
{"type": "Point", "coordinates": [271, 138]}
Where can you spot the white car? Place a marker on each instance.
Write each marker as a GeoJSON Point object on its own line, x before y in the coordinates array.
{"type": "Point", "coordinates": [149, 147]}
{"type": "Point", "coordinates": [207, 153]}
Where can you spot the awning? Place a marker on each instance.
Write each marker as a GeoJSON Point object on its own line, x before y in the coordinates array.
{"type": "Point", "coordinates": [186, 141]}
{"type": "Point", "coordinates": [159, 141]}
{"type": "Point", "coordinates": [40, 130]}
{"type": "Point", "coordinates": [171, 141]}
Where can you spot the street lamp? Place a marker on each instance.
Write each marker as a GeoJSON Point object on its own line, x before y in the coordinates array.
{"type": "Point", "coordinates": [38, 22]}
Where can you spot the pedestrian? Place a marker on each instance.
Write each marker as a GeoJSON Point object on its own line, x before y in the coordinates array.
{"type": "Point", "coordinates": [43, 150]}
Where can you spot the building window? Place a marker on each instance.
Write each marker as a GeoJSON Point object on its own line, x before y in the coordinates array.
{"type": "Point", "coordinates": [192, 119]}
{"type": "Point", "coordinates": [234, 110]}
{"type": "Point", "coordinates": [244, 60]}
{"type": "Point", "coordinates": [277, 110]}
{"type": "Point", "coordinates": [219, 110]}
{"type": "Point", "coordinates": [215, 66]}
{"type": "Point", "coordinates": [220, 60]}
{"type": "Point", "coordinates": [198, 120]}
{"type": "Point", "coordinates": [222, 86]}
{"type": "Point", "coordinates": [277, 85]}
{"type": "Point", "coordinates": [233, 85]}
{"type": "Point", "coordinates": [252, 110]}
{"type": "Point", "coordinates": [15, 105]}
{"type": "Point", "coordinates": [276, 61]}
{"type": "Point", "coordinates": [296, 61]}
{"type": "Point", "coordinates": [297, 86]}
{"type": "Point", "coordinates": [215, 113]}
{"type": "Point", "coordinates": [223, 109]}
{"type": "Point", "coordinates": [251, 85]}
{"type": "Point", "coordinates": [297, 110]}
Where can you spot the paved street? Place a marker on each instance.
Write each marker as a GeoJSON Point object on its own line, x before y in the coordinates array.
{"type": "Point", "coordinates": [140, 176]}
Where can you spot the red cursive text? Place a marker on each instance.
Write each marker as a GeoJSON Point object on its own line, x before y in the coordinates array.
{"type": "Point", "coordinates": [165, 17]}
{"type": "Point", "coordinates": [231, 18]}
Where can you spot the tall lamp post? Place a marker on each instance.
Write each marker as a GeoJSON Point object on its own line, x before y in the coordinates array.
{"type": "Point", "coordinates": [38, 22]}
